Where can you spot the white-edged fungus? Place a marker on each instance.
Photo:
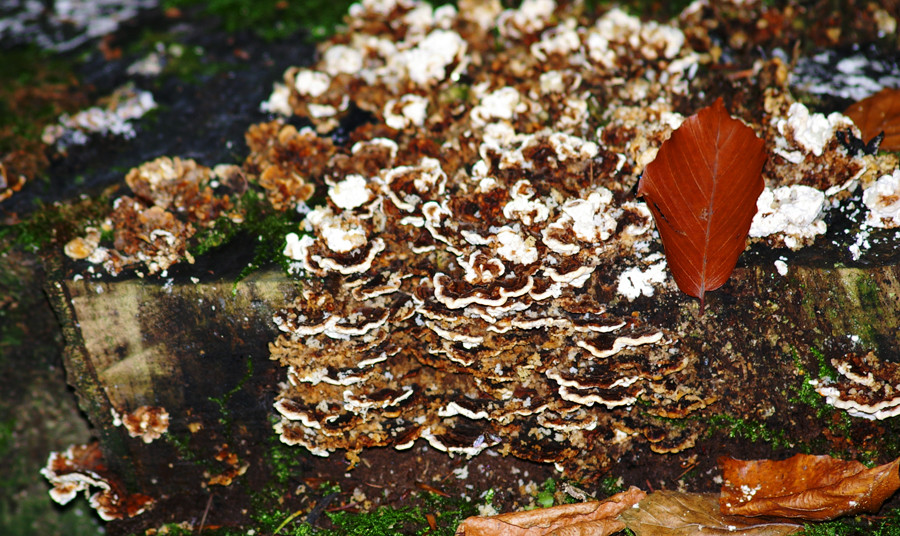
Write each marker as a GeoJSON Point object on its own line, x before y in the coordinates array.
{"type": "Point", "coordinates": [350, 193]}
{"type": "Point", "coordinates": [409, 110]}
{"type": "Point", "coordinates": [81, 468]}
{"type": "Point", "coordinates": [867, 387]}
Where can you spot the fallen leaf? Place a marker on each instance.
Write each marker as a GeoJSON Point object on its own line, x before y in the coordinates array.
{"type": "Point", "coordinates": [673, 513]}
{"type": "Point", "coordinates": [595, 518]}
{"type": "Point", "coordinates": [876, 114]}
{"type": "Point", "coordinates": [815, 488]}
{"type": "Point", "coordinates": [702, 190]}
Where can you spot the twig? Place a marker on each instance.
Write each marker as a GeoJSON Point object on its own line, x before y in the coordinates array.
{"type": "Point", "coordinates": [286, 521]}
{"type": "Point", "coordinates": [347, 506]}
{"type": "Point", "coordinates": [205, 513]}
{"type": "Point", "coordinates": [689, 467]}
{"type": "Point", "coordinates": [432, 489]}
{"type": "Point", "coordinates": [319, 508]}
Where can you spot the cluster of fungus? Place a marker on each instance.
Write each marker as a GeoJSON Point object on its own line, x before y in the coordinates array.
{"type": "Point", "coordinates": [472, 266]}
{"type": "Point", "coordinates": [469, 253]}
{"type": "Point", "coordinates": [81, 468]}
{"type": "Point", "coordinates": [811, 167]}
{"type": "Point", "coordinates": [146, 422]}
{"type": "Point", "coordinates": [867, 387]}
{"type": "Point", "coordinates": [115, 118]}
{"type": "Point", "coordinates": [172, 199]}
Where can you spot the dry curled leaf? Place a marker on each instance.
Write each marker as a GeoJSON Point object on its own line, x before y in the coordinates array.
{"type": "Point", "coordinates": [596, 518]}
{"type": "Point", "coordinates": [702, 190]}
{"type": "Point", "coordinates": [673, 513]}
{"type": "Point", "coordinates": [815, 488]}
{"type": "Point", "coordinates": [876, 114]}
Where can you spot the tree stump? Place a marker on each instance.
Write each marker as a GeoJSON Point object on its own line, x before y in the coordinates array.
{"type": "Point", "coordinates": [199, 349]}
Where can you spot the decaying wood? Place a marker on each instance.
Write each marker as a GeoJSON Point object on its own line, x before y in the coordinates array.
{"type": "Point", "coordinates": [197, 350]}
{"type": "Point", "coordinates": [184, 345]}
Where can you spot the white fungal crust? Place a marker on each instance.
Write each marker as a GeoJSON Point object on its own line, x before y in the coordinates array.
{"type": "Point", "coordinates": [125, 105]}
{"type": "Point", "coordinates": [804, 133]}
{"type": "Point", "coordinates": [790, 215]}
{"type": "Point", "coordinates": [867, 387]}
{"type": "Point", "coordinates": [806, 152]}
{"type": "Point", "coordinates": [882, 198]}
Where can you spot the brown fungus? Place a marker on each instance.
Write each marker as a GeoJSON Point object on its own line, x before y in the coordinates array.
{"type": "Point", "coordinates": [173, 198]}
{"type": "Point", "coordinates": [867, 387]}
{"type": "Point", "coordinates": [81, 468]}
{"type": "Point", "coordinates": [470, 279]}
{"type": "Point", "coordinates": [455, 298]}
{"type": "Point", "coordinates": [146, 422]}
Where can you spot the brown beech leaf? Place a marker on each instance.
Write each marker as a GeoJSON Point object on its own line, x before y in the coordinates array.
{"type": "Point", "coordinates": [673, 513]}
{"type": "Point", "coordinates": [702, 190]}
{"type": "Point", "coordinates": [815, 488]}
{"type": "Point", "coordinates": [876, 114]}
{"type": "Point", "coordinates": [596, 518]}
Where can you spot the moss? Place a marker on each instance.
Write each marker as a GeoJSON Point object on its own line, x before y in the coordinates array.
{"type": "Point", "coordinates": [837, 422]}
{"type": "Point", "coordinates": [6, 437]}
{"type": "Point", "coordinates": [609, 486]}
{"type": "Point", "coordinates": [886, 525]}
{"type": "Point", "coordinates": [383, 520]}
{"type": "Point", "coordinates": [736, 427]}
{"type": "Point", "coordinates": [445, 514]}
{"type": "Point", "coordinates": [36, 514]}
{"type": "Point", "coordinates": [826, 370]}
{"type": "Point", "coordinates": [272, 19]}
{"type": "Point", "coordinates": [177, 529]}
{"type": "Point", "coordinates": [282, 460]}
{"type": "Point", "coordinates": [652, 9]}
{"type": "Point", "coordinates": [222, 401]}
{"type": "Point", "coordinates": [806, 394]}
{"type": "Point", "coordinates": [868, 292]}
{"type": "Point", "coordinates": [188, 63]}
{"type": "Point", "coordinates": [276, 19]}
{"type": "Point", "coordinates": [182, 444]}
{"type": "Point", "coordinates": [38, 87]}
{"type": "Point", "coordinates": [266, 227]}
{"type": "Point", "coordinates": [545, 497]}
{"type": "Point", "coordinates": [456, 93]}
{"type": "Point", "coordinates": [53, 224]}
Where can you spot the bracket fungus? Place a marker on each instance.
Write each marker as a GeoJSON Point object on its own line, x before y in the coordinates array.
{"type": "Point", "coordinates": [465, 292]}
{"type": "Point", "coordinates": [478, 253]}
{"type": "Point", "coordinates": [81, 468]}
{"type": "Point", "coordinates": [867, 387]}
